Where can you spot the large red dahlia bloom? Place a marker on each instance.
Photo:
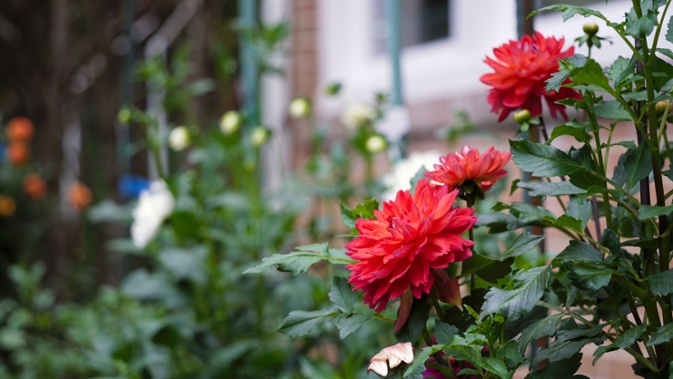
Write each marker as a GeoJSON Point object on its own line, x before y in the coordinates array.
{"type": "Point", "coordinates": [411, 236]}
{"type": "Point", "coordinates": [458, 168]}
{"type": "Point", "coordinates": [521, 71]}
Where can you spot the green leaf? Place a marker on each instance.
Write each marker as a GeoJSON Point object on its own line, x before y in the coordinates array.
{"type": "Point", "coordinates": [301, 323]}
{"type": "Point", "coordinates": [627, 339]}
{"type": "Point", "coordinates": [539, 188]}
{"type": "Point", "coordinates": [632, 166]}
{"type": "Point", "coordinates": [486, 268]}
{"type": "Point", "coordinates": [669, 31]}
{"type": "Point", "coordinates": [580, 209]}
{"type": "Point", "coordinates": [556, 80]}
{"type": "Point", "coordinates": [362, 210]}
{"type": "Point", "coordinates": [570, 11]}
{"type": "Point", "coordinates": [495, 366]}
{"type": "Point", "coordinates": [522, 244]}
{"type": "Point", "coordinates": [651, 211]}
{"type": "Point", "coordinates": [349, 324]}
{"type": "Point", "coordinates": [621, 69]}
{"type": "Point", "coordinates": [661, 335]}
{"type": "Point", "coordinates": [542, 160]}
{"type": "Point", "coordinates": [661, 283]}
{"type": "Point", "coordinates": [444, 333]}
{"type": "Point", "coordinates": [515, 303]}
{"type": "Point", "coordinates": [342, 295]}
{"type": "Point", "coordinates": [543, 328]}
{"type": "Point", "coordinates": [642, 26]}
{"type": "Point", "coordinates": [297, 262]}
{"type": "Point", "coordinates": [565, 368]}
{"type": "Point", "coordinates": [612, 110]}
{"type": "Point", "coordinates": [577, 251]}
{"type": "Point", "coordinates": [591, 74]}
{"type": "Point", "coordinates": [580, 134]}
{"type": "Point", "coordinates": [422, 357]}
{"type": "Point", "coordinates": [569, 343]}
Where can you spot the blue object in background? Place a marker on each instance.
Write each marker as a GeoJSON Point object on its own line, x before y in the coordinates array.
{"type": "Point", "coordinates": [130, 186]}
{"type": "Point", "coordinates": [3, 151]}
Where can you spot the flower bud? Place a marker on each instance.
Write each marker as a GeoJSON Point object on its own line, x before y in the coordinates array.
{"type": "Point", "coordinates": [179, 138]}
{"type": "Point", "coordinates": [230, 122]}
{"type": "Point", "coordinates": [333, 89]}
{"type": "Point", "coordinates": [20, 129]}
{"type": "Point", "coordinates": [522, 116]}
{"type": "Point", "coordinates": [7, 206]}
{"type": "Point", "coordinates": [300, 107]}
{"type": "Point", "coordinates": [259, 136]}
{"type": "Point", "coordinates": [376, 144]}
{"type": "Point", "coordinates": [590, 28]}
{"type": "Point", "coordinates": [124, 116]}
{"type": "Point", "coordinates": [662, 105]}
{"type": "Point", "coordinates": [18, 153]}
{"type": "Point", "coordinates": [34, 186]}
{"type": "Point", "coordinates": [79, 196]}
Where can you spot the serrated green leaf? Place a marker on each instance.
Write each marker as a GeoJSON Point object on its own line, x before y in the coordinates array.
{"type": "Point", "coordinates": [539, 188]}
{"type": "Point", "coordinates": [543, 328]}
{"type": "Point", "coordinates": [517, 302]}
{"type": "Point", "coordinates": [495, 366]}
{"type": "Point", "coordinates": [669, 30]}
{"type": "Point", "coordinates": [621, 69]}
{"type": "Point", "coordinates": [348, 324]}
{"type": "Point", "coordinates": [640, 26]}
{"type": "Point", "coordinates": [662, 335]}
{"type": "Point", "coordinates": [577, 251]}
{"type": "Point", "coordinates": [651, 211]}
{"type": "Point", "coordinates": [612, 110]}
{"type": "Point", "coordinates": [542, 160]}
{"type": "Point", "coordinates": [486, 268]}
{"type": "Point", "coordinates": [297, 262]}
{"type": "Point", "coordinates": [569, 343]}
{"type": "Point", "coordinates": [444, 333]}
{"type": "Point", "coordinates": [661, 283]}
{"type": "Point", "coordinates": [591, 74]}
{"type": "Point", "coordinates": [561, 369]}
{"type": "Point", "coordinates": [580, 209]}
{"type": "Point", "coordinates": [301, 323]}
{"type": "Point", "coordinates": [342, 295]}
{"type": "Point", "coordinates": [632, 166]}
{"type": "Point", "coordinates": [556, 80]}
{"type": "Point", "coordinates": [580, 135]}
{"type": "Point", "coordinates": [570, 11]}
{"type": "Point", "coordinates": [522, 244]}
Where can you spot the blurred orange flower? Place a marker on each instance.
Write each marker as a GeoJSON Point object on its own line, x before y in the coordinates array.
{"type": "Point", "coordinates": [18, 153]}
{"type": "Point", "coordinates": [7, 206]}
{"type": "Point", "coordinates": [79, 196]}
{"type": "Point", "coordinates": [34, 186]}
{"type": "Point", "coordinates": [20, 129]}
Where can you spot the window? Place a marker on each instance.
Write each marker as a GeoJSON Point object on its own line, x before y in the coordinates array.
{"type": "Point", "coordinates": [421, 21]}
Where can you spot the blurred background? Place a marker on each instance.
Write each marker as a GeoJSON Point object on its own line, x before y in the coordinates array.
{"type": "Point", "coordinates": [104, 82]}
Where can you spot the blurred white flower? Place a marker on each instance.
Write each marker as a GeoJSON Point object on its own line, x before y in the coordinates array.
{"type": "Point", "coordinates": [154, 206]}
{"type": "Point", "coordinates": [404, 170]}
{"type": "Point", "coordinates": [179, 138]}
{"type": "Point", "coordinates": [391, 356]}
{"type": "Point", "coordinates": [230, 122]}
{"type": "Point", "coordinates": [357, 114]}
{"type": "Point", "coordinates": [376, 144]}
{"type": "Point", "coordinates": [300, 107]}
{"type": "Point", "coordinates": [259, 136]}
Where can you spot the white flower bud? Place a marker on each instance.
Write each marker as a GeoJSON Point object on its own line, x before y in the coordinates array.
{"type": "Point", "coordinates": [179, 138]}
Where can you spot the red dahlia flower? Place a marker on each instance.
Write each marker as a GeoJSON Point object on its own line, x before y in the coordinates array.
{"type": "Point", "coordinates": [467, 165]}
{"type": "Point", "coordinates": [522, 69]}
{"type": "Point", "coordinates": [411, 236]}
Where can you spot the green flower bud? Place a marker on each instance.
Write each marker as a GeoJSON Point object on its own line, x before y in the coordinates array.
{"type": "Point", "coordinates": [230, 122]}
{"type": "Point", "coordinates": [661, 106]}
{"type": "Point", "coordinates": [300, 107]}
{"type": "Point", "coordinates": [259, 136]}
{"type": "Point", "coordinates": [179, 138]}
{"type": "Point", "coordinates": [522, 116]}
{"type": "Point", "coordinates": [376, 144]}
{"type": "Point", "coordinates": [124, 116]}
{"type": "Point", "coordinates": [590, 28]}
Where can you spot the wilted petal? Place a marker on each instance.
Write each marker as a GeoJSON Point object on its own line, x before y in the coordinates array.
{"type": "Point", "coordinates": [393, 355]}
